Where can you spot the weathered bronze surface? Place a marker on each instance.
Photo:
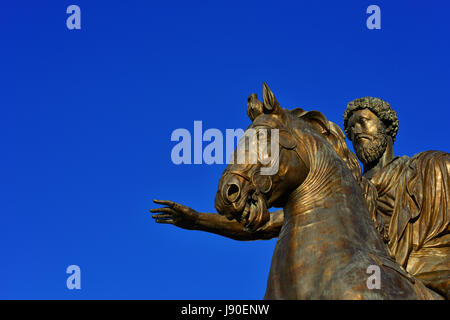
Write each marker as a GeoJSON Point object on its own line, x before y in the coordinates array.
{"type": "Point", "coordinates": [408, 196]}
{"type": "Point", "coordinates": [335, 220]}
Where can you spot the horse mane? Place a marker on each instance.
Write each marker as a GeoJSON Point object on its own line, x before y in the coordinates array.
{"type": "Point", "coordinates": [337, 140]}
{"type": "Point", "coordinates": [334, 136]}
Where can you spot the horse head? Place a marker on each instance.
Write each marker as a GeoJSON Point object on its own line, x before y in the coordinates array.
{"type": "Point", "coordinates": [248, 188]}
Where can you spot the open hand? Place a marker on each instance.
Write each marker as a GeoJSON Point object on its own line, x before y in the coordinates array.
{"type": "Point", "coordinates": [176, 214]}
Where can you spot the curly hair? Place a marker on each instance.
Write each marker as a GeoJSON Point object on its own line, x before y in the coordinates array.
{"type": "Point", "coordinates": [379, 107]}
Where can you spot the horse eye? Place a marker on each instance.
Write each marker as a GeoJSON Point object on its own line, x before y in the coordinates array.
{"type": "Point", "coordinates": [262, 134]}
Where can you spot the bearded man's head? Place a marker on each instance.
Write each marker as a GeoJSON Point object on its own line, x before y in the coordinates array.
{"type": "Point", "coordinates": [368, 123]}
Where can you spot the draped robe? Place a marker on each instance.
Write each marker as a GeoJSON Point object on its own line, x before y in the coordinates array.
{"type": "Point", "coordinates": [411, 211]}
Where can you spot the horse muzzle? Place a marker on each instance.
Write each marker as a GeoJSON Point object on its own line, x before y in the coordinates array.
{"type": "Point", "coordinates": [238, 199]}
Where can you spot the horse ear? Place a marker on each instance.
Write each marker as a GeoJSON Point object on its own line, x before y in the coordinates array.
{"type": "Point", "coordinates": [271, 104]}
{"type": "Point", "coordinates": [318, 120]}
{"type": "Point", "coordinates": [254, 106]}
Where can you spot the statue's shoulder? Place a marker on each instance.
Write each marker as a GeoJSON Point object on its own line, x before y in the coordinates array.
{"type": "Point", "coordinates": [410, 167]}
{"type": "Point", "coordinates": [435, 156]}
{"type": "Point", "coordinates": [431, 154]}
{"type": "Point", "coordinates": [430, 163]}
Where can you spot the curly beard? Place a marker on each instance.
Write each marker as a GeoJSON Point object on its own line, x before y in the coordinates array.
{"type": "Point", "coordinates": [371, 151]}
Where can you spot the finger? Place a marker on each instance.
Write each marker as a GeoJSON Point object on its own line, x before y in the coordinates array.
{"type": "Point", "coordinates": [165, 202]}
{"type": "Point", "coordinates": [164, 210]}
{"type": "Point", "coordinates": [162, 216]}
{"type": "Point", "coordinates": [165, 221]}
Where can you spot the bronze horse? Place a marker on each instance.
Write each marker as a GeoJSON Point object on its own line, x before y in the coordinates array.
{"type": "Point", "coordinates": [327, 241]}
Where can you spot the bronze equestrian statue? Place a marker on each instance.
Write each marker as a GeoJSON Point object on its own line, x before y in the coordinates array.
{"type": "Point", "coordinates": [326, 237]}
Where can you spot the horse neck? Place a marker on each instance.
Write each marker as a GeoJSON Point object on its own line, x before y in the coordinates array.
{"type": "Point", "coordinates": [330, 201]}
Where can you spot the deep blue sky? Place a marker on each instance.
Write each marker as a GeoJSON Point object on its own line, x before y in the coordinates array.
{"type": "Point", "coordinates": [86, 119]}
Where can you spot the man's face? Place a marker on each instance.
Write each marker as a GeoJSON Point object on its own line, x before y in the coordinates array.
{"type": "Point", "coordinates": [368, 135]}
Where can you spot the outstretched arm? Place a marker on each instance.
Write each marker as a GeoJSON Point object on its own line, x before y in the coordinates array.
{"type": "Point", "coordinates": [187, 218]}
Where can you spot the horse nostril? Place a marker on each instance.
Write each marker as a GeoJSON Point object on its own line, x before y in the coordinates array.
{"type": "Point", "coordinates": [232, 192]}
